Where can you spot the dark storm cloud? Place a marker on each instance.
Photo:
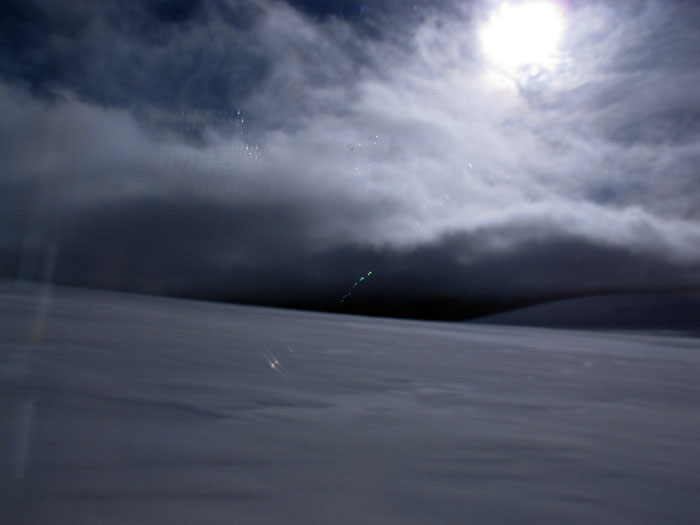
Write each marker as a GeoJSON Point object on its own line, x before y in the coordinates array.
{"type": "Point", "coordinates": [157, 53]}
{"type": "Point", "coordinates": [182, 55]}
{"type": "Point", "coordinates": [374, 139]}
{"type": "Point", "coordinates": [263, 256]}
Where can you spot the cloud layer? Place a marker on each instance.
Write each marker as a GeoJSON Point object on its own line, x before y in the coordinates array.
{"type": "Point", "coordinates": [372, 136]}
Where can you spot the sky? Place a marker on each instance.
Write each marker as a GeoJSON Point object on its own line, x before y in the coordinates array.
{"type": "Point", "coordinates": [380, 156]}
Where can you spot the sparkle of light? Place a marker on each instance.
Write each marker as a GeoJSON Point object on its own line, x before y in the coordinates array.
{"type": "Point", "coordinates": [524, 35]}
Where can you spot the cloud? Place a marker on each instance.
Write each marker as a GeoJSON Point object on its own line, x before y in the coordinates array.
{"type": "Point", "coordinates": [359, 148]}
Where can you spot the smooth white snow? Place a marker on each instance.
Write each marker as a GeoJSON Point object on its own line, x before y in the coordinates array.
{"type": "Point", "coordinates": [148, 410]}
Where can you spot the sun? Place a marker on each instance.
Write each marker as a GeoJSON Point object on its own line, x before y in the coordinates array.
{"type": "Point", "coordinates": [524, 37]}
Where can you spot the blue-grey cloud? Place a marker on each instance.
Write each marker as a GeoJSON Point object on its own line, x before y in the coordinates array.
{"type": "Point", "coordinates": [386, 137]}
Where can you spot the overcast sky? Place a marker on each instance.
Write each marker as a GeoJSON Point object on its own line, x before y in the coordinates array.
{"type": "Point", "coordinates": [276, 152]}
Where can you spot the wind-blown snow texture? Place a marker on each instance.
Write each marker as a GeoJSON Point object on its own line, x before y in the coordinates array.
{"type": "Point", "coordinates": [128, 409]}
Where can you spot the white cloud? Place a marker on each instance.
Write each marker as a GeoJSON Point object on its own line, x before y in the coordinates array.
{"type": "Point", "coordinates": [418, 143]}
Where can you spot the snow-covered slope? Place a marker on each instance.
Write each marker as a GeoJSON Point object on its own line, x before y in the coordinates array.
{"type": "Point", "coordinates": [129, 409]}
{"type": "Point", "coordinates": [655, 312]}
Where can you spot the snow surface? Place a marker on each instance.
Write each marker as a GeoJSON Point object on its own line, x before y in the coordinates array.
{"type": "Point", "coordinates": [678, 313]}
{"type": "Point", "coordinates": [129, 409]}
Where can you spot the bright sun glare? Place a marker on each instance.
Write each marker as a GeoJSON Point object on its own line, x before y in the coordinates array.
{"type": "Point", "coordinates": [524, 36]}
